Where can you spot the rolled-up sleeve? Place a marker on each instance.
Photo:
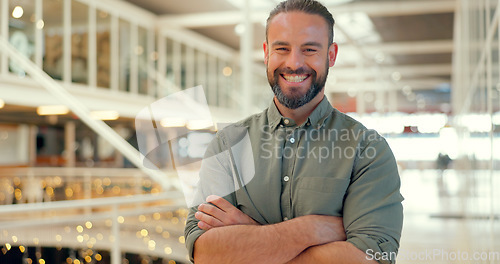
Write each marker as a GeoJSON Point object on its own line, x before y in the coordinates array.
{"type": "Point", "coordinates": [373, 213]}
{"type": "Point", "coordinates": [192, 231]}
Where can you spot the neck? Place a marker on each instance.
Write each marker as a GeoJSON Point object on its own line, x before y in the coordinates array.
{"type": "Point", "coordinates": [299, 115]}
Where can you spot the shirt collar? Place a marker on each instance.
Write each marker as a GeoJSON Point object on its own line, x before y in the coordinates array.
{"type": "Point", "coordinates": [321, 113]}
{"type": "Point", "coordinates": [273, 116]}
{"type": "Point", "coordinates": [315, 119]}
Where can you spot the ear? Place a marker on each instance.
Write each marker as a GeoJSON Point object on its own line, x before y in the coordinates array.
{"type": "Point", "coordinates": [332, 54]}
{"type": "Point", "coordinates": [266, 53]}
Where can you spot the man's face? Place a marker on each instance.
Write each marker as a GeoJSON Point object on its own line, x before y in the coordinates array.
{"type": "Point", "coordinates": [297, 57]}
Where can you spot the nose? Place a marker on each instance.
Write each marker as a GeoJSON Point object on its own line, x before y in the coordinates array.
{"type": "Point", "coordinates": [294, 59]}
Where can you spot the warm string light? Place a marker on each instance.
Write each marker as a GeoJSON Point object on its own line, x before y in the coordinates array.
{"type": "Point", "coordinates": [17, 12]}
{"type": "Point", "coordinates": [147, 184]}
{"type": "Point", "coordinates": [71, 191]}
{"type": "Point", "coordinates": [142, 218]}
{"type": "Point", "coordinates": [151, 245]}
{"type": "Point", "coordinates": [116, 190]}
{"type": "Point", "coordinates": [168, 250]}
{"type": "Point", "coordinates": [156, 216]}
{"type": "Point", "coordinates": [18, 194]}
{"type": "Point", "coordinates": [174, 217]}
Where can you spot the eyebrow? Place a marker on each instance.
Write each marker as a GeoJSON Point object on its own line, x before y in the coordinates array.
{"type": "Point", "coordinates": [284, 43]}
{"type": "Point", "coordinates": [280, 43]}
{"type": "Point", "coordinates": [316, 44]}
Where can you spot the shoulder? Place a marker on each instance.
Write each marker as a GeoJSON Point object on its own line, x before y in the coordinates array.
{"type": "Point", "coordinates": [256, 120]}
{"type": "Point", "coordinates": [354, 129]}
{"type": "Point", "coordinates": [346, 121]}
{"type": "Point", "coordinates": [341, 120]}
{"type": "Point", "coordinates": [253, 120]}
{"type": "Point", "coordinates": [235, 131]}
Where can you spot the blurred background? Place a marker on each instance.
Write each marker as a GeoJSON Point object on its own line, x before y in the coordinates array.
{"type": "Point", "coordinates": [74, 74]}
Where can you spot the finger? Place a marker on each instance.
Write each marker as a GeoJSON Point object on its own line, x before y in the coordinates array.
{"type": "Point", "coordinates": [212, 210]}
{"type": "Point", "coordinates": [204, 225]}
{"type": "Point", "coordinates": [220, 202]}
{"type": "Point", "coordinates": [210, 220]}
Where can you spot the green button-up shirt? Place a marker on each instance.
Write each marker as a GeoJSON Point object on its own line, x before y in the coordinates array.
{"type": "Point", "coordinates": [330, 165]}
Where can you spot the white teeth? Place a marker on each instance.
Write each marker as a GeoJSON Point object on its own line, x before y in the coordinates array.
{"type": "Point", "coordinates": [296, 78]}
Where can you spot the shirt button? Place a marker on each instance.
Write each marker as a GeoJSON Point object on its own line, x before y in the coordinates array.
{"type": "Point", "coordinates": [292, 140]}
{"type": "Point", "coordinates": [286, 121]}
{"type": "Point", "coordinates": [286, 178]}
{"type": "Point", "coordinates": [285, 218]}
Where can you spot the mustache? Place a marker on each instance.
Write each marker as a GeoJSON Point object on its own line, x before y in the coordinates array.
{"type": "Point", "coordinates": [298, 71]}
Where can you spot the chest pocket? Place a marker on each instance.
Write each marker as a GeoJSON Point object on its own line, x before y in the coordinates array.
{"type": "Point", "coordinates": [319, 195]}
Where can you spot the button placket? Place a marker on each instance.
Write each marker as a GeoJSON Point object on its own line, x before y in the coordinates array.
{"type": "Point", "coordinates": [287, 157]}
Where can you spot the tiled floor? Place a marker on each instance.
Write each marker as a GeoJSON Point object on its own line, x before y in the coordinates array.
{"type": "Point", "coordinates": [447, 217]}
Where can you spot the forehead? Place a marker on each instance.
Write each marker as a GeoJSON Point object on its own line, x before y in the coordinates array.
{"type": "Point", "coordinates": [297, 26]}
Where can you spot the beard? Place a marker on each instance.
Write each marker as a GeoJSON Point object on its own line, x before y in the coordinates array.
{"type": "Point", "coordinates": [297, 100]}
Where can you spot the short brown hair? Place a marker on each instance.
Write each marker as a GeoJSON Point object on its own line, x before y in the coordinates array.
{"type": "Point", "coordinates": [312, 7]}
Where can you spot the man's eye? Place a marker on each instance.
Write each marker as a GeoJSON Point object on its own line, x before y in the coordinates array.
{"type": "Point", "coordinates": [310, 50]}
{"type": "Point", "coordinates": [282, 49]}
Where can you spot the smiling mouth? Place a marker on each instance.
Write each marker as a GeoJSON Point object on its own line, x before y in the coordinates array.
{"type": "Point", "coordinates": [295, 78]}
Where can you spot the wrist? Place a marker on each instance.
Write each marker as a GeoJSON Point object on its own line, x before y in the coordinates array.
{"type": "Point", "coordinates": [321, 229]}
{"type": "Point", "coordinates": [303, 231]}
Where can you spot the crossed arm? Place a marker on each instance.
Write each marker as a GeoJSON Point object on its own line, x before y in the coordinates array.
{"type": "Point", "coordinates": [234, 237]}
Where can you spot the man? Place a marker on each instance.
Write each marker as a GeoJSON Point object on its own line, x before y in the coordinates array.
{"type": "Point", "coordinates": [325, 188]}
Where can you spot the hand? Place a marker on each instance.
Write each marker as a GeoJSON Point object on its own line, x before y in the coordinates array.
{"type": "Point", "coordinates": [218, 212]}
